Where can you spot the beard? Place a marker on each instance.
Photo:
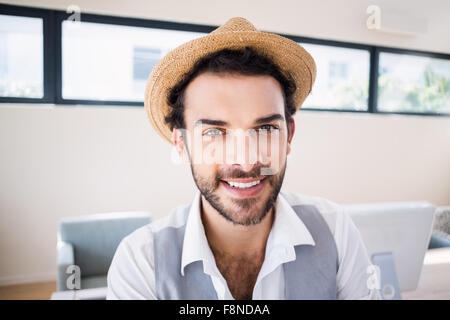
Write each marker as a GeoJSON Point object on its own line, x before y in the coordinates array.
{"type": "Point", "coordinates": [243, 212]}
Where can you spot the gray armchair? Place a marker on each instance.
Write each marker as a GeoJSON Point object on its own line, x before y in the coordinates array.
{"type": "Point", "coordinates": [90, 242]}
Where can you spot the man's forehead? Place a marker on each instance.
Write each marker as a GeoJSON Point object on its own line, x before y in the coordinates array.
{"type": "Point", "coordinates": [232, 98]}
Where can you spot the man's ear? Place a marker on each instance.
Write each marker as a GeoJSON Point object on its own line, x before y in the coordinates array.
{"type": "Point", "coordinates": [179, 144]}
{"type": "Point", "coordinates": [291, 127]}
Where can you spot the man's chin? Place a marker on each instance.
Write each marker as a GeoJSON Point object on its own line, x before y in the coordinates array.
{"type": "Point", "coordinates": [244, 211]}
{"type": "Point", "coordinates": [245, 219]}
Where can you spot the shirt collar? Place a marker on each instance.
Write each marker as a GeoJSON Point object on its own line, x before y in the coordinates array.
{"type": "Point", "coordinates": [288, 230]}
{"type": "Point", "coordinates": [195, 244]}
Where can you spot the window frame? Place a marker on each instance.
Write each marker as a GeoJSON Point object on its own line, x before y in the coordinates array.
{"type": "Point", "coordinates": [52, 64]}
{"type": "Point", "coordinates": [409, 52]}
{"type": "Point", "coordinates": [344, 45]}
{"type": "Point", "coordinates": [112, 20]}
{"type": "Point", "coordinates": [48, 63]}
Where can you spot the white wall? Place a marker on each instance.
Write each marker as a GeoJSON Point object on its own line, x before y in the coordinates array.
{"type": "Point", "coordinates": [59, 161]}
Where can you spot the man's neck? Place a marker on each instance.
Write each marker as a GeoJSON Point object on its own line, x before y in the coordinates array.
{"type": "Point", "coordinates": [233, 240]}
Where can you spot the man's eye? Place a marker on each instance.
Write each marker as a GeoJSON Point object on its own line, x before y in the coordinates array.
{"type": "Point", "coordinates": [213, 132]}
{"type": "Point", "coordinates": [268, 127]}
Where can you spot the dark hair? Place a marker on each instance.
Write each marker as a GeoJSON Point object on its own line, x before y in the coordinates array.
{"type": "Point", "coordinates": [228, 61]}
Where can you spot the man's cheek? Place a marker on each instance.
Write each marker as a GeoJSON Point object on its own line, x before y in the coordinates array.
{"type": "Point", "coordinates": [273, 154]}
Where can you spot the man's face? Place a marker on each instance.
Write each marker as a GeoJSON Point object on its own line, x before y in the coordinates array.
{"type": "Point", "coordinates": [237, 141]}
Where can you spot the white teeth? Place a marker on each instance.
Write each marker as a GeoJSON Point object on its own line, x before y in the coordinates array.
{"type": "Point", "coordinates": [241, 185]}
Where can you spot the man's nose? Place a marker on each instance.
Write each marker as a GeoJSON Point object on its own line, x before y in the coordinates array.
{"type": "Point", "coordinates": [245, 150]}
{"type": "Point", "coordinates": [246, 167]}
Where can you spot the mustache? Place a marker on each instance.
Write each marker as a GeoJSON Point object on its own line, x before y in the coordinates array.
{"type": "Point", "coordinates": [236, 173]}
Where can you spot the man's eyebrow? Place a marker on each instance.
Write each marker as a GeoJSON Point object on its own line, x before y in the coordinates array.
{"type": "Point", "coordinates": [270, 118]}
{"type": "Point", "coordinates": [222, 123]}
{"type": "Point", "coordinates": [210, 122]}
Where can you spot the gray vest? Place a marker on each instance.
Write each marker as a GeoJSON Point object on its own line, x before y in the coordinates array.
{"type": "Point", "coordinates": [312, 275]}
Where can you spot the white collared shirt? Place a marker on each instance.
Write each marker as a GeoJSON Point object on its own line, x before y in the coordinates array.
{"type": "Point", "coordinates": [131, 274]}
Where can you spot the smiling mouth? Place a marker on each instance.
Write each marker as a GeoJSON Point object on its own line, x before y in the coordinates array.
{"type": "Point", "coordinates": [244, 188]}
{"type": "Point", "coordinates": [243, 183]}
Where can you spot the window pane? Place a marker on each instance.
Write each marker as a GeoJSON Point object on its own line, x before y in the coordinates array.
{"type": "Point", "coordinates": [112, 62]}
{"type": "Point", "coordinates": [21, 57]}
{"type": "Point", "coordinates": [408, 83]}
{"type": "Point", "coordinates": [342, 80]}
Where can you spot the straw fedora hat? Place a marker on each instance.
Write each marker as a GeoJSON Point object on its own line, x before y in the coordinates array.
{"type": "Point", "coordinates": [236, 33]}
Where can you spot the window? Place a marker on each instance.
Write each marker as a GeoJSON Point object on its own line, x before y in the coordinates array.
{"type": "Point", "coordinates": [410, 83]}
{"type": "Point", "coordinates": [45, 57]}
{"type": "Point", "coordinates": [112, 62]}
{"type": "Point", "coordinates": [21, 57]}
{"type": "Point", "coordinates": [342, 80]}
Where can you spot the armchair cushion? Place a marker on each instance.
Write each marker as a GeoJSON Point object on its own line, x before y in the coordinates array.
{"type": "Point", "coordinates": [91, 241]}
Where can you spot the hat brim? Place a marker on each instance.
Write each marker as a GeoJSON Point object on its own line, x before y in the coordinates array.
{"type": "Point", "coordinates": [286, 53]}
